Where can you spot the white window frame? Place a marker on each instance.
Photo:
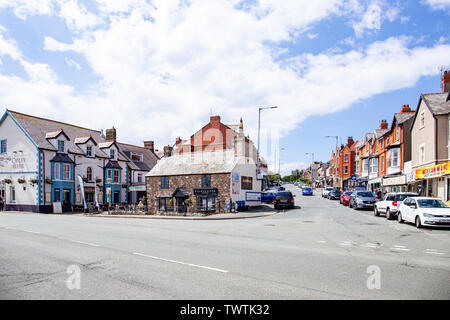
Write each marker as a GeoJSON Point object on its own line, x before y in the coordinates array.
{"type": "Point", "coordinates": [395, 163]}
{"type": "Point", "coordinates": [422, 120]}
{"type": "Point", "coordinates": [345, 169]}
{"type": "Point", "coordinates": [372, 165]}
{"type": "Point", "coordinates": [422, 154]}
{"type": "Point", "coordinates": [346, 157]}
{"type": "Point", "coordinates": [66, 165]}
{"type": "Point", "coordinates": [92, 151]}
{"type": "Point", "coordinates": [57, 172]}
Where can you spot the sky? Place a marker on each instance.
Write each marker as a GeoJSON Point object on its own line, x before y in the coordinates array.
{"type": "Point", "coordinates": [159, 69]}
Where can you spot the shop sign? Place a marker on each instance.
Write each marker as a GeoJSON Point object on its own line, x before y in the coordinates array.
{"type": "Point", "coordinates": [394, 181]}
{"type": "Point", "coordinates": [235, 183]}
{"type": "Point", "coordinates": [206, 192]}
{"type": "Point", "coordinates": [433, 171]}
{"type": "Point", "coordinates": [253, 196]}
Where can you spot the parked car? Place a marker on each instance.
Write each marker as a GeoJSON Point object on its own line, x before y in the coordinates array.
{"type": "Point", "coordinates": [307, 191]}
{"type": "Point", "coordinates": [424, 211]}
{"type": "Point", "coordinates": [326, 191]}
{"type": "Point", "coordinates": [283, 199]}
{"type": "Point", "coordinates": [268, 196]}
{"type": "Point", "coordinates": [334, 194]}
{"type": "Point", "coordinates": [390, 203]}
{"type": "Point", "coordinates": [345, 198]}
{"type": "Point", "coordinates": [362, 200]}
{"type": "Point", "coordinates": [277, 188]}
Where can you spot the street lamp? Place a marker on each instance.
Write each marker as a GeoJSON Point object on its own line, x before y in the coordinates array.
{"type": "Point", "coordinates": [259, 127]}
{"type": "Point", "coordinates": [337, 137]}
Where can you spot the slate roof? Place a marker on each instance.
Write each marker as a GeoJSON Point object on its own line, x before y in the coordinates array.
{"type": "Point", "coordinates": [222, 161]}
{"type": "Point", "coordinates": [438, 103]}
{"type": "Point", "coordinates": [403, 117]}
{"type": "Point", "coordinates": [39, 129]}
{"type": "Point", "coordinates": [381, 132]}
{"type": "Point", "coordinates": [150, 159]}
{"type": "Point", "coordinates": [61, 157]}
{"type": "Point", "coordinates": [113, 165]}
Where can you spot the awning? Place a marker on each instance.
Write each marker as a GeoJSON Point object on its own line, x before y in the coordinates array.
{"type": "Point", "coordinates": [180, 193]}
{"type": "Point", "coordinates": [376, 180]}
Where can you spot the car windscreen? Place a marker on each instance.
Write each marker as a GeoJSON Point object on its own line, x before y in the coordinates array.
{"type": "Point", "coordinates": [348, 193]}
{"type": "Point", "coordinates": [284, 195]}
{"type": "Point", "coordinates": [336, 192]}
{"type": "Point", "coordinates": [401, 197]}
{"type": "Point", "coordinates": [365, 194]}
{"type": "Point", "coordinates": [431, 203]}
{"type": "Point", "coordinates": [329, 189]}
{"type": "Point", "coordinates": [307, 189]}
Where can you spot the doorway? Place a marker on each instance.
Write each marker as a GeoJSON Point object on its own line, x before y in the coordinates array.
{"type": "Point", "coordinates": [67, 203]}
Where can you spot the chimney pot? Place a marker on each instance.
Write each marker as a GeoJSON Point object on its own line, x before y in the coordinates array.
{"type": "Point", "coordinates": [446, 82]}
{"type": "Point", "coordinates": [167, 151]}
{"type": "Point", "coordinates": [178, 141]}
{"type": "Point", "coordinates": [111, 134]}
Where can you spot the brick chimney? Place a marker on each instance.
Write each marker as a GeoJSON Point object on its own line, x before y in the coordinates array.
{"type": "Point", "coordinates": [350, 141]}
{"type": "Point", "coordinates": [446, 81]}
{"type": "Point", "coordinates": [383, 124]}
{"type": "Point", "coordinates": [111, 134]}
{"type": "Point", "coordinates": [214, 120]}
{"type": "Point", "coordinates": [178, 141]}
{"type": "Point", "coordinates": [405, 108]}
{"type": "Point", "coordinates": [150, 145]}
{"type": "Point", "coordinates": [167, 151]}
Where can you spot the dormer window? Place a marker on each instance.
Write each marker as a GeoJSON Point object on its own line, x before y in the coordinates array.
{"type": "Point", "coordinates": [89, 151]}
{"type": "Point", "coordinates": [112, 154]}
{"type": "Point", "coordinates": [61, 146]}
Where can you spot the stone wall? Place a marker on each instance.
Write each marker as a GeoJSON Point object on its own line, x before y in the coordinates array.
{"type": "Point", "coordinates": [221, 181]}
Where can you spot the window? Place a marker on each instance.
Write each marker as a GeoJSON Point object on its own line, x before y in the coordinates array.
{"type": "Point", "coordinates": [3, 146]}
{"type": "Point", "coordinates": [112, 153]}
{"type": "Point", "coordinates": [422, 119]}
{"type": "Point", "coordinates": [66, 171]}
{"type": "Point", "coordinates": [246, 183]}
{"type": "Point", "coordinates": [12, 194]}
{"type": "Point", "coordinates": [108, 175]}
{"type": "Point", "coordinates": [345, 169]}
{"type": "Point", "coordinates": [422, 154]}
{"type": "Point", "coordinates": [345, 157]}
{"type": "Point", "coordinates": [397, 133]}
{"type": "Point", "coordinates": [374, 165]}
{"type": "Point", "coordinates": [61, 146]}
{"type": "Point", "coordinates": [89, 151]}
{"type": "Point", "coordinates": [116, 176]}
{"type": "Point", "coordinates": [139, 177]}
{"type": "Point", "coordinates": [164, 204]}
{"type": "Point", "coordinates": [165, 182]}
{"type": "Point", "coordinates": [136, 156]}
{"type": "Point", "coordinates": [365, 165]}
{"type": "Point", "coordinates": [57, 171]}
{"type": "Point", "coordinates": [206, 181]}
{"type": "Point", "coordinates": [395, 162]}
{"type": "Point", "coordinates": [206, 203]}
{"type": "Point", "coordinates": [382, 162]}
{"type": "Point", "coordinates": [89, 174]}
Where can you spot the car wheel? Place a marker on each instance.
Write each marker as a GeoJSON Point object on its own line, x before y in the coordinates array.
{"type": "Point", "coordinates": [399, 218]}
{"type": "Point", "coordinates": [375, 212]}
{"type": "Point", "coordinates": [388, 214]}
{"type": "Point", "coordinates": [418, 223]}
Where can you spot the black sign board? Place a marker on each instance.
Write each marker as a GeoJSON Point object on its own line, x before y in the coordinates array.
{"type": "Point", "coordinates": [212, 192]}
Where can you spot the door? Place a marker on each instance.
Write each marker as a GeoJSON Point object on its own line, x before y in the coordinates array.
{"type": "Point", "coordinates": [181, 205]}
{"type": "Point", "coordinates": [116, 197]}
{"type": "Point", "coordinates": [67, 200]}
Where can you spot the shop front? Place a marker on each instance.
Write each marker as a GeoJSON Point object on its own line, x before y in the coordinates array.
{"type": "Point", "coordinates": [435, 181]}
{"type": "Point", "coordinates": [394, 183]}
{"type": "Point", "coordinates": [374, 184]}
{"type": "Point", "coordinates": [206, 199]}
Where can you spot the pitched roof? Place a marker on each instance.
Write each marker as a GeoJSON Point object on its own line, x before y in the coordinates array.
{"type": "Point", "coordinates": [403, 117]}
{"type": "Point", "coordinates": [381, 132]}
{"type": "Point", "coordinates": [206, 162]}
{"type": "Point", "coordinates": [149, 158]}
{"type": "Point", "coordinates": [438, 103]}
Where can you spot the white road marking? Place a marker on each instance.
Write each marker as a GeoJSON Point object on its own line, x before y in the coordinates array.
{"type": "Point", "coordinates": [347, 243]}
{"type": "Point", "coordinates": [370, 245]}
{"type": "Point", "coordinates": [29, 231]}
{"type": "Point", "coordinates": [179, 262]}
{"type": "Point", "coordinates": [400, 248]}
{"type": "Point", "coordinates": [434, 251]}
{"type": "Point", "coordinates": [86, 243]}
{"type": "Point", "coordinates": [321, 241]}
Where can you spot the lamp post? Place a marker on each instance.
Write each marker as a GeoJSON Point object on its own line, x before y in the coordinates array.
{"type": "Point", "coordinates": [337, 138]}
{"type": "Point", "coordinates": [259, 132]}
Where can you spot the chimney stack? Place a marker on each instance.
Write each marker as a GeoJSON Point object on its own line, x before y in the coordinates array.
{"type": "Point", "coordinates": [446, 82]}
{"type": "Point", "coordinates": [111, 134]}
{"type": "Point", "coordinates": [405, 108]}
{"type": "Point", "coordinates": [178, 141]}
{"type": "Point", "coordinates": [214, 120]}
{"type": "Point", "coordinates": [383, 124]}
{"type": "Point", "coordinates": [150, 145]}
{"type": "Point", "coordinates": [167, 151]}
{"type": "Point", "coordinates": [350, 141]}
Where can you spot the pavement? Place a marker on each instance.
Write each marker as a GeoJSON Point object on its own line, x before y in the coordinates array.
{"type": "Point", "coordinates": [319, 250]}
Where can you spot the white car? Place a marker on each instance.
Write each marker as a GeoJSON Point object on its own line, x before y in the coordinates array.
{"type": "Point", "coordinates": [326, 191]}
{"type": "Point", "coordinates": [424, 211]}
{"type": "Point", "coordinates": [390, 203]}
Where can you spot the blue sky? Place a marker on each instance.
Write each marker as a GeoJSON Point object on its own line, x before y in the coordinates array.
{"type": "Point", "coordinates": [158, 69]}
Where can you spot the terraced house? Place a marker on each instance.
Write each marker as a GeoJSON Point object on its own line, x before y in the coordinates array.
{"type": "Point", "coordinates": [43, 162]}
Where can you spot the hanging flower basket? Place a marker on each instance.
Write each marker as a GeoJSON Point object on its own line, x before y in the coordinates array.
{"type": "Point", "coordinates": [98, 180]}
{"type": "Point", "coordinates": [8, 181]}
{"type": "Point", "coordinates": [188, 201]}
{"type": "Point", "coordinates": [34, 181]}
{"type": "Point", "coordinates": [124, 185]}
{"type": "Point", "coordinates": [21, 181]}
{"type": "Point", "coordinates": [49, 181]}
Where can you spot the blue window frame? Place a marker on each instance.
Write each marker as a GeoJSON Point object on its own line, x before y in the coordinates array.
{"type": "Point", "coordinates": [61, 146]}
{"type": "Point", "coordinates": [3, 144]}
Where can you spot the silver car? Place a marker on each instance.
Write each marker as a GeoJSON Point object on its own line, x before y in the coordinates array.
{"type": "Point", "coordinates": [362, 200]}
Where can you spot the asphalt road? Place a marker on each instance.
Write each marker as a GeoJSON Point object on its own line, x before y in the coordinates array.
{"type": "Point", "coordinates": [320, 250]}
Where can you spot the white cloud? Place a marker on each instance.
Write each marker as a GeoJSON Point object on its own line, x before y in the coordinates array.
{"type": "Point", "coordinates": [164, 66]}
{"type": "Point", "coordinates": [76, 15]}
{"type": "Point", "coordinates": [437, 4]}
{"type": "Point", "coordinates": [24, 8]}
{"type": "Point", "coordinates": [72, 63]}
